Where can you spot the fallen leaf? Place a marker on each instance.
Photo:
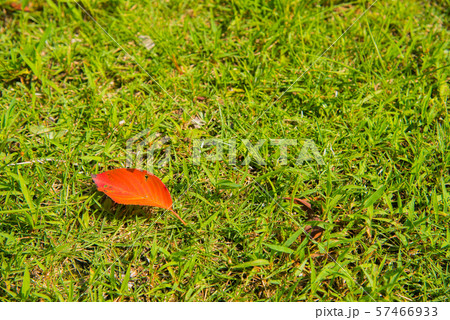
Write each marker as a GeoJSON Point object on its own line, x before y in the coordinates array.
{"type": "Point", "coordinates": [304, 204]}
{"type": "Point", "coordinates": [315, 232]}
{"type": "Point", "coordinates": [18, 6]}
{"type": "Point", "coordinates": [136, 187]}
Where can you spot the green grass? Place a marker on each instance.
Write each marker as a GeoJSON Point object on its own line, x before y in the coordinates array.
{"type": "Point", "coordinates": [375, 104]}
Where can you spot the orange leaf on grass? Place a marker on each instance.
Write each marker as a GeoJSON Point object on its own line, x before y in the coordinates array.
{"type": "Point", "coordinates": [133, 186]}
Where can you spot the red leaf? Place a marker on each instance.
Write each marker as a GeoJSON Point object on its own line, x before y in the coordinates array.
{"type": "Point", "coordinates": [305, 205]}
{"type": "Point", "coordinates": [315, 232]}
{"type": "Point", "coordinates": [133, 186]}
{"type": "Point", "coordinates": [18, 6]}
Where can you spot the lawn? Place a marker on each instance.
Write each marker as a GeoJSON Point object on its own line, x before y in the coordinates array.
{"type": "Point", "coordinates": [366, 84]}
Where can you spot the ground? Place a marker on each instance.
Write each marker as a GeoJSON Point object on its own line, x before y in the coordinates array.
{"type": "Point", "coordinates": [366, 83]}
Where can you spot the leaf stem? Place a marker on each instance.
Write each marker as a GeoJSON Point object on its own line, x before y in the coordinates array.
{"type": "Point", "coordinates": [176, 215]}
